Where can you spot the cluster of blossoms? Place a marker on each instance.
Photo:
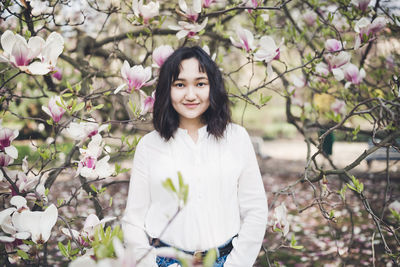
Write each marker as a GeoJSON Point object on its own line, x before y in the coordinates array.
{"type": "Point", "coordinates": [19, 223]}
{"type": "Point", "coordinates": [338, 63]}
{"type": "Point", "coordinates": [22, 54]}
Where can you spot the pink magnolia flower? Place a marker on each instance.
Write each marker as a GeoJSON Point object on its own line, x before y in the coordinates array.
{"type": "Point", "coordinates": [339, 107]}
{"type": "Point", "coordinates": [147, 12]}
{"type": "Point", "coordinates": [54, 110]}
{"type": "Point", "coordinates": [160, 54]}
{"type": "Point", "coordinates": [246, 39]}
{"type": "Point", "coordinates": [309, 18]}
{"type": "Point", "coordinates": [366, 30]}
{"type": "Point", "coordinates": [6, 137]}
{"type": "Point", "coordinates": [57, 74]}
{"type": "Point", "coordinates": [135, 77]}
{"type": "Point", "coordinates": [353, 75]}
{"type": "Point", "coordinates": [5, 160]}
{"type": "Point", "coordinates": [333, 45]}
{"type": "Point", "coordinates": [147, 102]}
{"type": "Point", "coordinates": [207, 3]}
{"type": "Point", "coordinates": [361, 4]}
{"type": "Point", "coordinates": [191, 13]}
{"type": "Point", "coordinates": [188, 29]}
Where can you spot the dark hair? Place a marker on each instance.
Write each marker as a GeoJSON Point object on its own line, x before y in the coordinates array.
{"type": "Point", "coordinates": [166, 119]}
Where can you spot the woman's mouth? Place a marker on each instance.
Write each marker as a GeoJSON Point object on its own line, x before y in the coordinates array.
{"type": "Point", "coordinates": [191, 105]}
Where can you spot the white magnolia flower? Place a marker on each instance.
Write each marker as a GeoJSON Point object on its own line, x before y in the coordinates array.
{"type": "Point", "coordinates": [339, 107]}
{"type": "Point", "coordinates": [246, 39]}
{"type": "Point", "coordinates": [7, 224]}
{"type": "Point", "coordinates": [147, 12]}
{"type": "Point", "coordinates": [84, 129]}
{"type": "Point", "coordinates": [322, 69]}
{"type": "Point", "coordinates": [53, 109]}
{"type": "Point", "coordinates": [91, 224]}
{"type": "Point", "coordinates": [160, 54]}
{"type": "Point", "coordinates": [146, 102]}
{"type": "Point", "coordinates": [268, 52]}
{"type": "Point", "coordinates": [191, 13]}
{"type": "Point", "coordinates": [395, 206]}
{"type": "Point", "coordinates": [6, 137]}
{"type": "Point", "coordinates": [353, 75]}
{"type": "Point", "coordinates": [361, 4]}
{"type": "Point", "coordinates": [188, 29]}
{"type": "Point", "coordinates": [281, 221]}
{"type": "Point", "coordinates": [20, 53]}
{"type": "Point", "coordinates": [367, 30]}
{"type": "Point", "coordinates": [136, 77]}
{"type": "Point", "coordinates": [37, 223]}
{"type": "Point", "coordinates": [333, 45]}
{"type": "Point", "coordinates": [89, 166]}
{"type": "Point", "coordinates": [51, 50]}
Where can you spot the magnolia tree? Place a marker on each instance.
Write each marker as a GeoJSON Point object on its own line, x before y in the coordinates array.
{"type": "Point", "coordinates": [77, 87]}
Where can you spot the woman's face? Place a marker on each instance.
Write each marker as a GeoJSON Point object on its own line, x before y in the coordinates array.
{"type": "Point", "coordinates": [190, 93]}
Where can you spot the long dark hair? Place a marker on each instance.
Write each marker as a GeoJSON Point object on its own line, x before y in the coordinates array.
{"type": "Point", "coordinates": [217, 116]}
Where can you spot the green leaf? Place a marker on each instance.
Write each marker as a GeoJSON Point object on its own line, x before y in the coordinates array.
{"type": "Point", "coordinates": [62, 249]}
{"type": "Point", "coordinates": [23, 254]}
{"type": "Point", "coordinates": [67, 95]}
{"type": "Point", "coordinates": [28, 34]}
{"type": "Point", "coordinates": [49, 122]}
{"type": "Point", "coordinates": [110, 202]}
{"type": "Point", "coordinates": [79, 107]}
{"type": "Point", "coordinates": [210, 258]}
{"type": "Point", "coordinates": [168, 184]}
{"type": "Point", "coordinates": [98, 106]}
{"type": "Point", "coordinates": [60, 201]}
{"type": "Point", "coordinates": [93, 188]}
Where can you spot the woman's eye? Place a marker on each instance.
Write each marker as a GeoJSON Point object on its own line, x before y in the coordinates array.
{"type": "Point", "coordinates": [179, 85]}
{"type": "Point", "coordinates": [201, 84]}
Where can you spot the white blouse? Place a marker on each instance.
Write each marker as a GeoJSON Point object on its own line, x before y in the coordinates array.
{"type": "Point", "coordinates": [226, 195]}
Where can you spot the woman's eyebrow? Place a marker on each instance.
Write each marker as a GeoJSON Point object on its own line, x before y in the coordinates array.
{"type": "Point", "coordinates": [197, 78]}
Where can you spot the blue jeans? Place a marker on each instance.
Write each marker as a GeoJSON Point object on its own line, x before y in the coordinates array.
{"type": "Point", "coordinates": [164, 262]}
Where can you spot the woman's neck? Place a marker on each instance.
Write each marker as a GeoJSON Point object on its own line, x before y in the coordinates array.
{"type": "Point", "coordinates": [192, 128]}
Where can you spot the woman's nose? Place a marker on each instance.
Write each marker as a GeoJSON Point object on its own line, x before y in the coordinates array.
{"type": "Point", "coordinates": [190, 93]}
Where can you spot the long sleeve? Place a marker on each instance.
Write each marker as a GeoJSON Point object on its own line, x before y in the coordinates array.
{"type": "Point", "coordinates": [136, 209]}
{"type": "Point", "coordinates": [253, 209]}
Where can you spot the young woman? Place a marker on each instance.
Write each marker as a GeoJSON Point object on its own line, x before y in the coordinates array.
{"type": "Point", "coordinates": [226, 207]}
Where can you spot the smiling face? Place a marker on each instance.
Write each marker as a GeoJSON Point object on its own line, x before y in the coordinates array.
{"type": "Point", "coordinates": [190, 94]}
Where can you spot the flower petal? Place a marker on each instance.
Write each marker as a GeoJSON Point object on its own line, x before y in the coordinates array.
{"type": "Point", "coordinates": [39, 68]}
{"type": "Point", "coordinates": [7, 41]}
{"type": "Point", "coordinates": [11, 151]}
